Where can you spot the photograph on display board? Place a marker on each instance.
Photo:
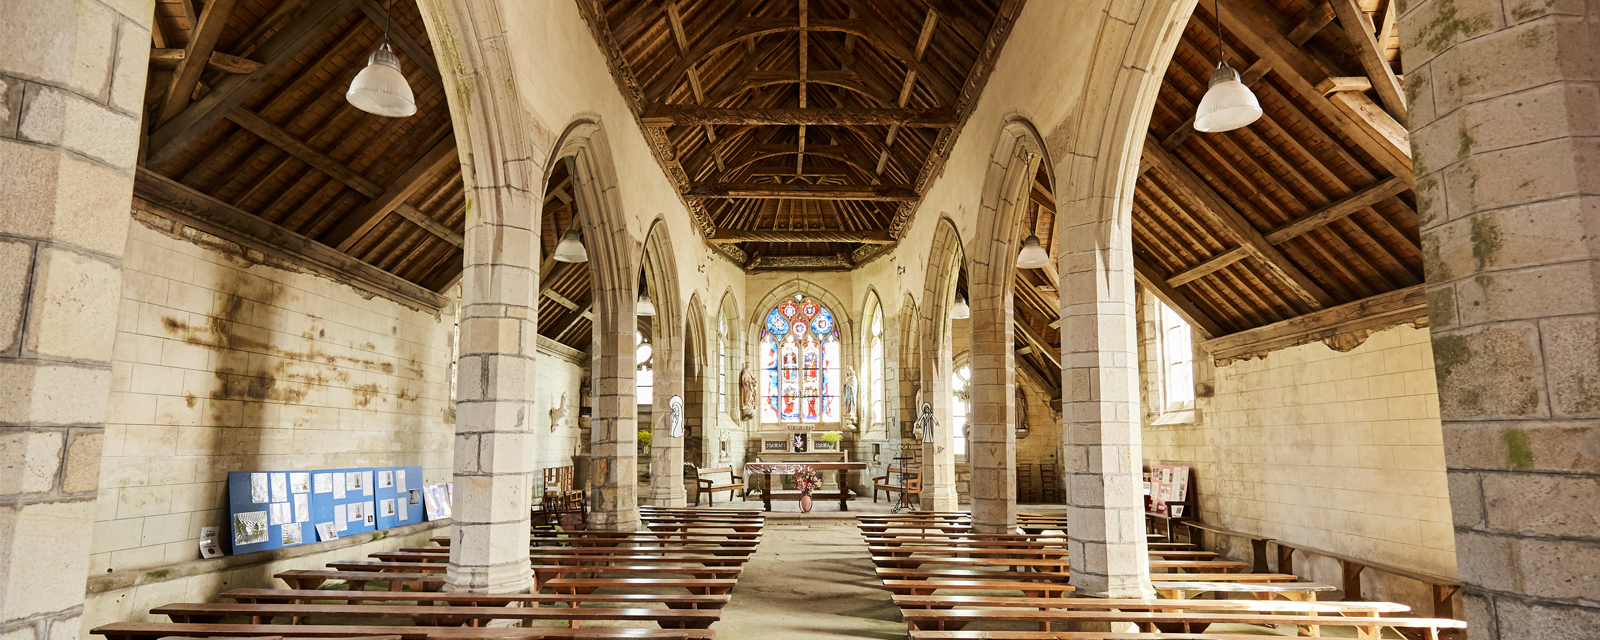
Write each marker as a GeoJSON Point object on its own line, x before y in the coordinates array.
{"type": "Point", "coordinates": [291, 533]}
{"type": "Point", "coordinates": [250, 528]}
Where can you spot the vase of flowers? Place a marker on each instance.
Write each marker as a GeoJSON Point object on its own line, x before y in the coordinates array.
{"type": "Point", "coordinates": [806, 480]}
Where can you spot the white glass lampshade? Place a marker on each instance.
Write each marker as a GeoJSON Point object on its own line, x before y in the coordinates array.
{"type": "Point", "coordinates": [1228, 104]}
{"type": "Point", "coordinates": [960, 311]}
{"type": "Point", "coordinates": [1032, 255]}
{"type": "Point", "coordinates": [380, 89]}
{"type": "Point", "coordinates": [570, 249]}
{"type": "Point", "coordinates": [644, 307]}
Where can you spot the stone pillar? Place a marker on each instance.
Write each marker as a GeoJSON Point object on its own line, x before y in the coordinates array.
{"type": "Point", "coordinates": [494, 465]}
{"type": "Point", "coordinates": [72, 80]}
{"type": "Point", "coordinates": [993, 441]}
{"type": "Point", "coordinates": [1505, 115]}
{"type": "Point", "coordinates": [666, 452]}
{"type": "Point", "coordinates": [1100, 406]}
{"type": "Point", "coordinates": [938, 452]}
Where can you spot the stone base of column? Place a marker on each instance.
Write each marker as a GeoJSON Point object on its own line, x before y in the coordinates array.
{"type": "Point", "coordinates": [940, 499]}
{"type": "Point", "coordinates": [666, 498]}
{"type": "Point", "coordinates": [507, 578]}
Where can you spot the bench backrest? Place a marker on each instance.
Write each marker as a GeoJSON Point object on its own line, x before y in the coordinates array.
{"type": "Point", "coordinates": [558, 479]}
{"type": "Point", "coordinates": [913, 475]}
{"type": "Point", "coordinates": [719, 476]}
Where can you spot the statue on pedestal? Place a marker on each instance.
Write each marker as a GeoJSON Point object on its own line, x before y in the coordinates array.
{"type": "Point", "coordinates": [847, 398]}
{"type": "Point", "coordinates": [747, 393]}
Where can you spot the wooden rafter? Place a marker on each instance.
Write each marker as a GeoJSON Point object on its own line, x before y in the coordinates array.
{"type": "Point", "coordinates": [800, 191]}
{"type": "Point", "coordinates": [683, 116]}
{"type": "Point", "coordinates": [1338, 209]}
{"type": "Point", "coordinates": [1210, 266]}
{"type": "Point", "coordinates": [283, 48]}
{"type": "Point", "coordinates": [1388, 309]}
{"type": "Point", "coordinates": [359, 222]}
{"type": "Point", "coordinates": [1359, 31]}
{"type": "Point", "coordinates": [1175, 299]}
{"type": "Point", "coordinates": [1234, 224]}
{"type": "Point", "coordinates": [202, 40]}
{"type": "Point", "coordinates": [729, 236]}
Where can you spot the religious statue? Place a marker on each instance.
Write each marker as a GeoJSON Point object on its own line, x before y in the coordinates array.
{"type": "Point", "coordinates": [925, 423]}
{"type": "Point", "coordinates": [675, 426]}
{"type": "Point", "coordinates": [558, 412]}
{"type": "Point", "coordinates": [585, 390]}
{"type": "Point", "coordinates": [1022, 414]}
{"type": "Point", "coordinates": [847, 399]}
{"type": "Point", "coordinates": [747, 393]}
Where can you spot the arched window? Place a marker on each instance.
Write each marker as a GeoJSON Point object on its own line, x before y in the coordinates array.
{"type": "Point", "coordinates": [800, 364]}
{"type": "Point", "coordinates": [722, 365]}
{"type": "Point", "coordinates": [643, 378]}
{"type": "Point", "coordinates": [960, 401]}
{"type": "Point", "coordinates": [873, 382]}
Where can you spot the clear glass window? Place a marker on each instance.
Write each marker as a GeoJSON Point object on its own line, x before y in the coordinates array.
{"type": "Point", "coordinates": [961, 395]}
{"type": "Point", "coordinates": [643, 376]}
{"type": "Point", "coordinates": [874, 383]}
{"type": "Point", "coordinates": [1177, 358]}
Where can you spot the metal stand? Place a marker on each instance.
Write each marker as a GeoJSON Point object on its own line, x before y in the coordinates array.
{"type": "Point", "coordinates": [904, 502]}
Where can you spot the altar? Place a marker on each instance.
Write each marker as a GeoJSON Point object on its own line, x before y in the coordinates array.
{"type": "Point", "coordinates": [790, 468]}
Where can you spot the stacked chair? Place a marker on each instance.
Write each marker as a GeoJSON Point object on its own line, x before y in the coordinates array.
{"type": "Point", "coordinates": [669, 581]}
{"type": "Point", "coordinates": [943, 576]}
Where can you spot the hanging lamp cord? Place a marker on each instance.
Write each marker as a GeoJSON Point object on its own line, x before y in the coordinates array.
{"type": "Point", "coordinates": [388, 21]}
{"type": "Point", "coordinates": [1216, 10]}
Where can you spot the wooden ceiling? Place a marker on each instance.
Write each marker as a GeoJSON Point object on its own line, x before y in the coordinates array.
{"type": "Point", "coordinates": [1308, 209]}
{"type": "Point", "coordinates": [260, 128]}
{"type": "Point", "coordinates": [801, 133]}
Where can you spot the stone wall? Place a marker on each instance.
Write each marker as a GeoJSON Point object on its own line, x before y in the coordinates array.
{"type": "Point", "coordinates": [1338, 451]}
{"type": "Point", "coordinates": [223, 366]}
{"type": "Point", "coordinates": [560, 372]}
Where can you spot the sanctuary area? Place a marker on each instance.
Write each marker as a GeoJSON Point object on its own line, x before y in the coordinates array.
{"type": "Point", "coordinates": [770, 319]}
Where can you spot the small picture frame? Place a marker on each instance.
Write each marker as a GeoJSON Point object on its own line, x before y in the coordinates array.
{"type": "Point", "coordinates": [775, 445]}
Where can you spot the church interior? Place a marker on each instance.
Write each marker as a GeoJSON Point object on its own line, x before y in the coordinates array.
{"type": "Point", "coordinates": [927, 319]}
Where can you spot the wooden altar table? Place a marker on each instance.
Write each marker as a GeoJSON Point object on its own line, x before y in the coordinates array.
{"type": "Point", "coordinates": [790, 468]}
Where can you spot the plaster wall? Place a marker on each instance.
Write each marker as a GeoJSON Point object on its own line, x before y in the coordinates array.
{"type": "Point", "coordinates": [222, 366]}
{"type": "Point", "coordinates": [1338, 451]}
{"type": "Point", "coordinates": [560, 373]}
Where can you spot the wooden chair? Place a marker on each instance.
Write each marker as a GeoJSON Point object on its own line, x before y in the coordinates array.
{"type": "Point", "coordinates": [560, 504]}
{"type": "Point", "coordinates": [912, 478]}
{"type": "Point", "coordinates": [1049, 483]}
{"type": "Point", "coordinates": [713, 479]}
{"type": "Point", "coordinates": [1025, 490]}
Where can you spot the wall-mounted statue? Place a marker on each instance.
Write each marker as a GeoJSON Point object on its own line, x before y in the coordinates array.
{"type": "Point", "coordinates": [558, 412]}
{"type": "Point", "coordinates": [847, 398]}
{"type": "Point", "coordinates": [1022, 414]}
{"type": "Point", "coordinates": [747, 393]}
{"type": "Point", "coordinates": [675, 427]}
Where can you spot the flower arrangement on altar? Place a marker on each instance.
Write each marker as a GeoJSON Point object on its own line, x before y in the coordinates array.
{"type": "Point", "coordinates": [807, 480]}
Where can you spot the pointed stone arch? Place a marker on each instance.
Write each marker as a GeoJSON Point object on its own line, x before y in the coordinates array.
{"type": "Point", "coordinates": [945, 259]}
{"type": "Point", "coordinates": [699, 382]}
{"type": "Point", "coordinates": [661, 279]}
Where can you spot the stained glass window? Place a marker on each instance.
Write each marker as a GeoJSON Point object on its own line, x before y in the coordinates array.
{"type": "Point", "coordinates": [799, 364]}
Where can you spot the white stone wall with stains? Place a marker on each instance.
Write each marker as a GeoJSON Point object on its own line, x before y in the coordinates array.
{"type": "Point", "coordinates": [221, 366]}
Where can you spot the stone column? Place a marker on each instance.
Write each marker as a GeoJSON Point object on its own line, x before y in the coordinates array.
{"type": "Point", "coordinates": [666, 452]}
{"type": "Point", "coordinates": [494, 465]}
{"type": "Point", "coordinates": [993, 441]}
{"type": "Point", "coordinates": [1505, 115]}
{"type": "Point", "coordinates": [614, 478]}
{"type": "Point", "coordinates": [938, 452]}
{"type": "Point", "coordinates": [72, 80]}
{"type": "Point", "coordinates": [1100, 405]}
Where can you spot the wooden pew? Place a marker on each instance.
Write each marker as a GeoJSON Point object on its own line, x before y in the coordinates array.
{"type": "Point", "coordinates": [563, 559]}
{"type": "Point", "coordinates": [1365, 626]}
{"type": "Point", "coordinates": [1073, 635]}
{"type": "Point", "coordinates": [158, 630]}
{"type": "Point", "coordinates": [711, 480]}
{"type": "Point", "coordinates": [1123, 604]}
{"type": "Point", "coordinates": [1296, 591]}
{"type": "Point", "coordinates": [358, 580]}
{"type": "Point", "coordinates": [297, 596]}
{"type": "Point", "coordinates": [1059, 564]}
{"type": "Point", "coordinates": [715, 586]}
{"type": "Point", "coordinates": [436, 616]}
{"type": "Point", "coordinates": [929, 587]}
{"type": "Point", "coordinates": [887, 573]}
{"type": "Point", "coordinates": [923, 551]}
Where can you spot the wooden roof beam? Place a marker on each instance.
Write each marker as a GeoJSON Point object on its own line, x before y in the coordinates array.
{"type": "Point", "coordinates": [1383, 310]}
{"type": "Point", "coordinates": [1338, 209]}
{"type": "Point", "coordinates": [1213, 265]}
{"type": "Point", "coordinates": [687, 116]}
{"type": "Point", "coordinates": [876, 193]}
{"type": "Point", "coordinates": [202, 40]}
{"type": "Point", "coordinates": [276, 53]}
{"type": "Point", "coordinates": [1147, 276]}
{"type": "Point", "coordinates": [729, 236]}
{"type": "Point", "coordinates": [359, 222]}
{"type": "Point", "coordinates": [1040, 346]}
{"type": "Point", "coordinates": [277, 136]}
{"type": "Point", "coordinates": [1234, 224]}
{"type": "Point", "coordinates": [1359, 30]}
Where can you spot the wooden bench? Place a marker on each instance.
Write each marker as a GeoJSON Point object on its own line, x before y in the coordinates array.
{"type": "Point", "coordinates": [929, 587]}
{"type": "Point", "coordinates": [1258, 544]}
{"type": "Point", "coordinates": [912, 481]}
{"type": "Point", "coordinates": [358, 580]}
{"type": "Point", "coordinates": [1124, 604]}
{"type": "Point", "coordinates": [1014, 552]}
{"type": "Point", "coordinates": [714, 586]}
{"type": "Point", "coordinates": [1365, 626]}
{"type": "Point", "coordinates": [1441, 589]}
{"type": "Point", "coordinates": [436, 616]}
{"type": "Point", "coordinates": [891, 573]}
{"type": "Point", "coordinates": [158, 630]}
{"type": "Point", "coordinates": [663, 538]}
{"type": "Point", "coordinates": [298, 596]}
{"type": "Point", "coordinates": [1072, 635]}
{"type": "Point", "coordinates": [1295, 591]}
{"type": "Point", "coordinates": [711, 480]}
{"type": "Point", "coordinates": [900, 562]}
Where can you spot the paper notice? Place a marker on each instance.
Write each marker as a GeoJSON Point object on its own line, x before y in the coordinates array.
{"type": "Point", "coordinates": [322, 483]}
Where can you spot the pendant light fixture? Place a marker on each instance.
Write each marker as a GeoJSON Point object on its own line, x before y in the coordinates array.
{"type": "Point", "coordinates": [1228, 103]}
{"type": "Point", "coordinates": [1032, 255]}
{"type": "Point", "coordinates": [644, 307]}
{"type": "Point", "coordinates": [380, 89]}
{"type": "Point", "coordinates": [570, 249]}
{"type": "Point", "coordinates": [960, 311]}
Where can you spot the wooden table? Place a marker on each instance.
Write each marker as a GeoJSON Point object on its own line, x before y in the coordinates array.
{"type": "Point", "coordinates": [782, 468]}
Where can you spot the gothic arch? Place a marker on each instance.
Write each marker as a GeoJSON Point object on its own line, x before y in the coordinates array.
{"type": "Point", "coordinates": [667, 335]}
{"type": "Point", "coordinates": [945, 259]}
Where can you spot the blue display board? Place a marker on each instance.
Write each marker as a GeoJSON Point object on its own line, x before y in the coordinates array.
{"type": "Point", "coordinates": [269, 510]}
{"type": "Point", "coordinates": [398, 496]}
{"type": "Point", "coordinates": [352, 490]}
